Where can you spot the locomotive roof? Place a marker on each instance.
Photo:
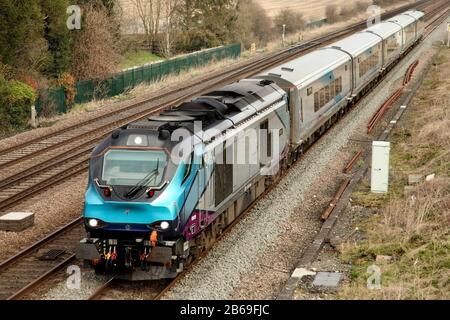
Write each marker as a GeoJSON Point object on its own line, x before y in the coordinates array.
{"type": "Point", "coordinates": [309, 67]}
{"type": "Point", "coordinates": [416, 14]}
{"type": "Point", "coordinates": [357, 43]}
{"type": "Point", "coordinates": [403, 20]}
{"type": "Point", "coordinates": [384, 29]}
{"type": "Point", "coordinates": [218, 110]}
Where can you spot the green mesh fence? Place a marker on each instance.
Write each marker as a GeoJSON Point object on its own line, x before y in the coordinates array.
{"type": "Point", "coordinates": [54, 98]}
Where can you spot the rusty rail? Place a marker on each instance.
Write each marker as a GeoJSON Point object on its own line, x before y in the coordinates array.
{"type": "Point", "coordinates": [392, 99]}
{"type": "Point", "coordinates": [383, 109]}
{"type": "Point", "coordinates": [335, 200]}
{"type": "Point", "coordinates": [409, 72]}
{"type": "Point", "coordinates": [352, 162]}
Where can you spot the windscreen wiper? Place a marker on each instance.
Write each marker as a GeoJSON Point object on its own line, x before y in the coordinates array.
{"type": "Point", "coordinates": [143, 183]}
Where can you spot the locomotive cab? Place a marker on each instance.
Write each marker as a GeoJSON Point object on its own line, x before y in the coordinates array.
{"type": "Point", "coordinates": [133, 202]}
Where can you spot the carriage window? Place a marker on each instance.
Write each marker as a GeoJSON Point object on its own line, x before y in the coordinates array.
{"type": "Point", "coordinates": [368, 63]}
{"type": "Point", "coordinates": [309, 91]}
{"type": "Point", "coordinates": [327, 93]}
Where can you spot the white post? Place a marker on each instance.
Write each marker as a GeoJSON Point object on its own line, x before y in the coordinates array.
{"type": "Point", "coordinates": [284, 34]}
{"type": "Point", "coordinates": [448, 31]}
{"type": "Point", "coordinates": [379, 181]}
{"type": "Point", "coordinates": [33, 117]}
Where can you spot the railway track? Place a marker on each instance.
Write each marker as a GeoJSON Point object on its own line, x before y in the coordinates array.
{"type": "Point", "coordinates": [23, 272]}
{"type": "Point", "coordinates": [63, 154]}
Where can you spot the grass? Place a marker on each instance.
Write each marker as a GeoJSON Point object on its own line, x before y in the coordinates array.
{"type": "Point", "coordinates": [139, 58]}
{"type": "Point", "coordinates": [413, 230]}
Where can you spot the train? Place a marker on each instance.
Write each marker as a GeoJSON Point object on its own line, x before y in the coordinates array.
{"type": "Point", "coordinates": [161, 190]}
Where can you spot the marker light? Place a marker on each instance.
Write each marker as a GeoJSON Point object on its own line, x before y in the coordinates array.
{"type": "Point", "coordinates": [151, 193]}
{"type": "Point", "coordinates": [138, 140]}
{"type": "Point", "coordinates": [164, 225]}
{"type": "Point", "coordinates": [107, 192]}
{"type": "Point", "coordinates": [93, 223]}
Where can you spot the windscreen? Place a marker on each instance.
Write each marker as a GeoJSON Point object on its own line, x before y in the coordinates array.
{"type": "Point", "coordinates": [131, 167]}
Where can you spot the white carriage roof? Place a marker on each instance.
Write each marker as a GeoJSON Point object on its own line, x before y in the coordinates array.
{"type": "Point", "coordinates": [414, 13]}
{"type": "Point", "coordinates": [384, 29]}
{"type": "Point", "coordinates": [309, 67]}
{"type": "Point", "coordinates": [403, 20]}
{"type": "Point", "coordinates": [357, 43]}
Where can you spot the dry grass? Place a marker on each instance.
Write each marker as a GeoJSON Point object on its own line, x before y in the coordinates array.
{"type": "Point", "coordinates": [415, 228]}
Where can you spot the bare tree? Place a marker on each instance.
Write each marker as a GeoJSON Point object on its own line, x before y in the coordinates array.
{"type": "Point", "coordinates": [95, 49]}
{"type": "Point", "coordinates": [331, 13]}
{"type": "Point", "coordinates": [149, 12]}
{"type": "Point", "coordinates": [168, 12]}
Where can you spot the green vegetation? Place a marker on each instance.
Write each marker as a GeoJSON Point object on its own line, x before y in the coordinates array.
{"type": "Point", "coordinates": [16, 99]}
{"type": "Point", "coordinates": [139, 58]}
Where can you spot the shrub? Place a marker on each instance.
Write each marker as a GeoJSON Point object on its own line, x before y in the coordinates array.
{"type": "Point", "coordinates": [67, 82]}
{"type": "Point", "coordinates": [331, 13]}
{"type": "Point", "coordinates": [16, 99]}
{"type": "Point", "coordinates": [293, 20]}
{"type": "Point", "coordinates": [253, 24]}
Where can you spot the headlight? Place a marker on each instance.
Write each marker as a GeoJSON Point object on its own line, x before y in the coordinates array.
{"type": "Point", "coordinates": [164, 225]}
{"type": "Point", "coordinates": [93, 223]}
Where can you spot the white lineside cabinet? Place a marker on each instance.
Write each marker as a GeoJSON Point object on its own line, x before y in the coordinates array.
{"type": "Point", "coordinates": [380, 166]}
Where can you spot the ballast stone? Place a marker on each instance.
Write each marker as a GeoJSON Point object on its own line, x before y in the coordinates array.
{"type": "Point", "coordinates": [16, 221]}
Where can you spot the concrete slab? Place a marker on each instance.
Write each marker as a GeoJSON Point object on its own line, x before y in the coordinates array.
{"type": "Point", "coordinates": [327, 279]}
{"type": "Point", "coordinates": [16, 221]}
{"type": "Point", "coordinates": [383, 258]}
{"type": "Point", "coordinates": [301, 272]}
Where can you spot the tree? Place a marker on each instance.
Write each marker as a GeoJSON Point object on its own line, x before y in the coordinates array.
{"type": "Point", "coordinates": [252, 25]}
{"type": "Point", "coordinates": [57, 36]}
{"type": "Point", "coordinates": [331, 13]}
{"type": "Point", "coordinates": [95, 50]}
{"type": "Point", "coordinates": [169, 10]}
{"type": "Point", "coordinates": [206, 23]}
{"type": "Point", "coordinates": [149, 12]}
{"type": "Point", "coordinates": [293, 20]}
{"type": "Point", "coordinates": [22, 44]}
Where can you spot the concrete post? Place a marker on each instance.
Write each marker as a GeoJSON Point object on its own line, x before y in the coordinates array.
{"type": "Point", "coordinates": [33, 117]}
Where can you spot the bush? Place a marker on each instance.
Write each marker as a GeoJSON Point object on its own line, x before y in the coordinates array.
{"type": "Point", "coordinates": [294, 21]}
{"type": "Point", "coordinates": [67, 81]}
{"type": "Point", "coordinates": [16, 99]}
{"type": "Point", "coordinates": [331, 13]}
{"type": "Point", "coordinates": [253, 24]}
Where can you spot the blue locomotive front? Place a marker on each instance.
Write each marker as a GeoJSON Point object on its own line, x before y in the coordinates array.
{"type": "Point", "coordinates": [133, 202]}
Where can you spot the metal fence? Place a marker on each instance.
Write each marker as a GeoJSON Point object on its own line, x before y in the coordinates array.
{"type": "Point", "coordinates": [54, 99]}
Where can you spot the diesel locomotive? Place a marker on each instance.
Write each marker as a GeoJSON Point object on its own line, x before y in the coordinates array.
{"type": "Point", "coordinates": [161, 190]}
